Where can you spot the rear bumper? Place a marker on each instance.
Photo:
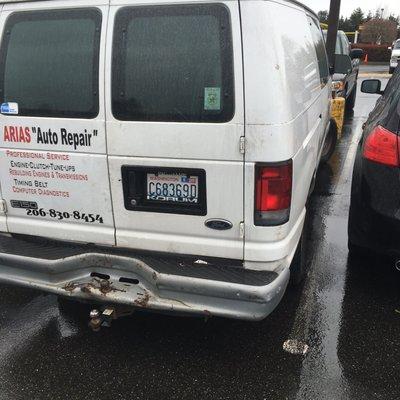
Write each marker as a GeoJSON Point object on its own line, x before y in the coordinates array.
{"type": "Point", "coordinates": [148, 281]}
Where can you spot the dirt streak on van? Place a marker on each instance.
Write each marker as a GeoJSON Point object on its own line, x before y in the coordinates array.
{"type": "Point", "coordinates": [163, 150]}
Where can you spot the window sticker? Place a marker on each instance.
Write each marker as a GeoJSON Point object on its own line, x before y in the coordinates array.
{"type": "Point", "coordinates": [9, 108]}
{"type": "Point", "coordinates": [212, 99]}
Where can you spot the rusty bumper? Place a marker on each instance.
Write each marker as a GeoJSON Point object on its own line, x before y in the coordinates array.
{"type": "Point", "coordinates": [116, 279]}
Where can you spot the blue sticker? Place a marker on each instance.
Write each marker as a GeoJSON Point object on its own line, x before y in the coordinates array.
{"type": "Point", "coordinates": [9, 108]}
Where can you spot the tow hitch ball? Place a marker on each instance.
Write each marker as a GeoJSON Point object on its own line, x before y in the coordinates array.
{"type": "Point", "coordinates": [103, 318]}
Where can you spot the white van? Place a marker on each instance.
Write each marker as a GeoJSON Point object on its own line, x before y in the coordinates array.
{"type": "Point", "coordinates": [159, 154]}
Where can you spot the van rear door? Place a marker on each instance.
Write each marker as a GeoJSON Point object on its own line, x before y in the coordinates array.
{"type": "Point", "coordinates": [174, 127]}
{"type": "Point", "coordinates": [53, 160]}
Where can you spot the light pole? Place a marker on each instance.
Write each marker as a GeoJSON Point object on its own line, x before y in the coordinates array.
{"type": "Point", "coordinates": [333, 25]}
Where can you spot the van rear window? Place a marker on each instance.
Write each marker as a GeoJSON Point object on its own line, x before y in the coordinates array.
{"type": "Point", "coordinates": [49, 63]}
{"type": "Point", "coordinates": [173, 63]}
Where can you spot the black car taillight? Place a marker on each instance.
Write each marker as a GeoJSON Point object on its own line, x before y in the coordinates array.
{"type": "Point", "coordinates": [382, 146]}
{"type": "Point", "coordinates": [273, 194]}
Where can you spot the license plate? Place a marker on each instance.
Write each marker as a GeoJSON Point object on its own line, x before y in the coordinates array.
{"type": "Point", "coordinates": [174, 188]}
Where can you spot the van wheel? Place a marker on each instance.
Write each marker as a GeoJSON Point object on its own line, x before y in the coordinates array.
{"type": "Point", "coordinates": [351, 100]}
{"type": "Point", "coordinates": [330, 143]}
{"type": "Point", "coordinates": [298, 265]}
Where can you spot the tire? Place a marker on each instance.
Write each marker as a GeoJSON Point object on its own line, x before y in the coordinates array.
{"type": "Point", "coordinates": [351, 100]}
{"type": "Point", "coordinates": [391, 70]}
{"type": "Point", "coordinates": [330, 143]}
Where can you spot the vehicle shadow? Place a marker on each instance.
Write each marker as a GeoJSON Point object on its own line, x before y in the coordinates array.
{"type": "Point", "coordinates": [369, 339]}
{"type": "Point", "coordinates": [147, 355]}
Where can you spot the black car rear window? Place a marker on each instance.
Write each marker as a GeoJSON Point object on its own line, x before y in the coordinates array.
{"type": "Point", "coordinates": [173, 63]}
{"type": "Point", "coordinates": [49, 62]}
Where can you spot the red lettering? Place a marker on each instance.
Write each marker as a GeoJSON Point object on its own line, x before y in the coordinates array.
{"type": "Point", "coordinates": [17, 134]}
{"type": "Point", "coordinates": [12, 134]}
{"type": "Point", "coordinates": [21, 136]}
{"type": "Point", "coordinates": [27, 135]}
{"type": "Point", "coordinates": [6, 134]}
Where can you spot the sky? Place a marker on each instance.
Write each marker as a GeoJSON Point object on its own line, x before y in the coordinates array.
{"type": "Point", "coordinates": [347, 6]}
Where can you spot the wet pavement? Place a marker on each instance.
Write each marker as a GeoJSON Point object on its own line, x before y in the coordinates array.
{"type": "Point", "coordinates": [347, 312]}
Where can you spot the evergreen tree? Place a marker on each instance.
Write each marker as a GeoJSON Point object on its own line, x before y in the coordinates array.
{"type": "Point", "coordinates": [323, 16]}
{"type": "Point", "coordinates": [345, 25]}
{"type": "Point", "coordinates": [356, 19]}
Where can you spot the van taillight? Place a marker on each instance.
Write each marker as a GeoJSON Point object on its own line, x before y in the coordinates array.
{"type": "Point", "coordinates": [381, 146]}
{"type": "Point", "coordinates": [273, 194]}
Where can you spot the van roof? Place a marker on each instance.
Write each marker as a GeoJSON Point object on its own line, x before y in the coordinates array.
{"type": "Point", "coordinates": [298, 3]}
{"type": "Point", "coordinates": [16, 1]}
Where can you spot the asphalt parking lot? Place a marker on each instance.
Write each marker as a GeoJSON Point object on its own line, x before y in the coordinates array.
{"type": "Point", "coordinates": [347, 312]}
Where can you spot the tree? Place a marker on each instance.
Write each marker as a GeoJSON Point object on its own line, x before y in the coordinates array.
{"type": "Point", "coordinates": [323, 16]}
{"type": "Point", "coordinates": [379, 31]}
{"type": "Point", "coordinates": [379, 13]}
{"type": "Point", "coordinates": [356, 19]}
{"type": "Point", "coordinates": [396, 20]}
{"type": "Point", "coordinates": [345, 25]}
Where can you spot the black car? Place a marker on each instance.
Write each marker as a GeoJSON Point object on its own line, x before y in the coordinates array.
{"type": "Point", "coordinates": [344, 84]}
{"type": "Point", "coordinates": [374, 219]}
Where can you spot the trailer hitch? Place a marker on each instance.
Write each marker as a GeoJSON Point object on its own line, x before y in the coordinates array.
{"type": "Point", "coordinates": [105, 316]}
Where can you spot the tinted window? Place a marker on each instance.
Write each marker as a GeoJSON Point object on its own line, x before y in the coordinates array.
{"type": "Point", "coordinates": [173, 64]}
{"type": "Point", "coordinates": [338, 49]}
{"type": "Point", "coordinates": [397, 45]}
{"type": "Point", "coordinates": [320, 49]}
{"type": "Point", "coordinates": [49, 63]}
{"type": "Point", "coordinates": [345, 44]}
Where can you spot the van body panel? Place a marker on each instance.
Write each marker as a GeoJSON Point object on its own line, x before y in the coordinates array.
{"type": "Point", "coordinates": [177, 233]}
{"type": "Point", "coordinates": [176, 140]}
{"type": "Point", "coordinates": [56, 183]}
{"type": "Point", "coordinates": [287, 111]}
{"type": "Point", "coordinates": [286, 69]}
{"type": "Point", "coordinates": [212, 147]}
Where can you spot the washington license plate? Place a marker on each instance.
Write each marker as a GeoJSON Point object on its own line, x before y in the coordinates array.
{"type": "Point", "coordinates": [174, 188]}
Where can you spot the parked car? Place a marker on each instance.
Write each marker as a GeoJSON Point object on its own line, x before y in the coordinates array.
{"type": "Point", "coordinates": [133, 170]}
{"type": "Point", "coordinates": [374, 220]}
{"type": "Point", "coordinates": [395, 57]}
{"type": "Point", "coordinates": [345, 82]}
